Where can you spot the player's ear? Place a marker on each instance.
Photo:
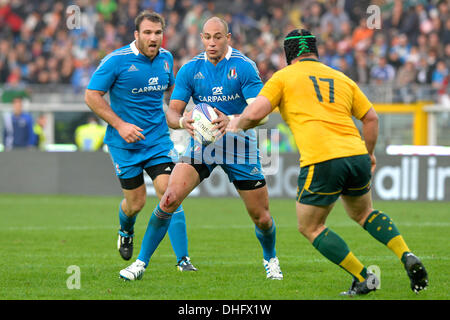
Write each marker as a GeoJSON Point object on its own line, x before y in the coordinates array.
{"type": "Point", "coordinates": [136, 34]}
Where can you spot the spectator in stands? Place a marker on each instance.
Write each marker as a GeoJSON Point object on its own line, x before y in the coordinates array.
{"type": "Point", "coordinates": [18, 127]}
{"type": "Point", "coordinates": [379, 48]}
{"type": "Point", "coordinates": [336, 17]}
{"type": "Point", "coordinates": [362, 75]}
{"type": "Point", "coordinates": [446, 32]}
{"type": "Point", "coordinates": [423, 75]}
{"type": "Point", "coordinates": [382, 72]}
{"type": "Point", "coordinates": [439, 75]}
{"type": "Point", "coordinates": [362, 35]}
{"type": "Point", "coordinates": [447, 54]}
{"type": "Point", "coordinates": [34, 37]}
{"type": "Point", "coordinates": [107, 8]}
{"type": "Point", "coordinates": [347, 69]}
{"type": "Point", "coordinates": [82, 75]}
{"type": "Point", "coordinates": [14, 87]}
{"type": "Point", "coordinates": [311, 17]}
{"type": "Point", "coordinates": [406, 76]}
{"type": "Point", "coordinates": [401, 46]}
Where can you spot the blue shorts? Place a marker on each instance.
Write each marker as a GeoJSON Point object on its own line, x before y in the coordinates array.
{"type": "Point", "coordinates": [242, 166]}
{"type": "Point", "coordinates": [129, 163]}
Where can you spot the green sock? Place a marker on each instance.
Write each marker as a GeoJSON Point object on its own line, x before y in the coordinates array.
{"type": "Point", "coordinates": [382, 228]}
{"type": "Point", "coordinates": [334, 248]}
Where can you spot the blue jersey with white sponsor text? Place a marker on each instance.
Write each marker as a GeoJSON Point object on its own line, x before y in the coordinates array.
{"type": "Point", "coordinates": [136, 88]}
{"type": "Point", "coordinates": [225, 86]}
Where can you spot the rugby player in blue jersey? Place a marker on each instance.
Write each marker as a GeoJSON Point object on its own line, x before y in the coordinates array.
{"type": "Point", "coordinates": [137, 136]}
{"type": "Point", "coordinates": [227, 80]}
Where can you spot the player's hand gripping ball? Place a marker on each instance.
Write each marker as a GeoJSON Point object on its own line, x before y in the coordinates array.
{"type": "Point", "coordinates": [204, 131]}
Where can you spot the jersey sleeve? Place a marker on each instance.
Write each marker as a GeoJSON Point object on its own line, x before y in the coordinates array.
{"type": "Point", "coordinates": [273, 90]}
{"type": "Point", "coordinates": [251, 83]}
{"type": "Point", "coordinates": [361, 103]}
{"type": "Point", "coordinates": [171, 76]}
{"type": "Point", "coordinates": [183, 88]}
{"type": "Point", "coordinates": [105, 75]}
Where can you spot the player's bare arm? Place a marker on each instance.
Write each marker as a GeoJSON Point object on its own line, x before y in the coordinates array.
{"type": "Point", "coordinates": [176, 119]}
{"type": "Point", "coordinates": [223, 120]}
{"type": "Point", "coordinates": [167, 94]}
{"type": "Point", "coordinates": [252, 116]}
{"type": "Point", "coordinates": [370, 133]}
{"type": "Point", "coordinates": [128, 131]}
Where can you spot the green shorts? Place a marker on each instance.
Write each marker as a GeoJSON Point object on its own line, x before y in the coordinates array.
{"type": "Point", "coordinates": [322, 183]}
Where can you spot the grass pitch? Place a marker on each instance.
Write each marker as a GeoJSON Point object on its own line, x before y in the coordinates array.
{"type": "Point", "coordinates": [41, 236]}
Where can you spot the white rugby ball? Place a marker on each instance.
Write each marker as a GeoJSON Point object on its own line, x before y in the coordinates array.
{"type": "Point", "coordinates": [204, 131]}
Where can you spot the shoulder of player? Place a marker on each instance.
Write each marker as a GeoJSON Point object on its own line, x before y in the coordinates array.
{"type": "Point", "coordinates": [201, 57]}
{"type": "Point", "coordinates": [331, 72]}
{"type": "Point", "coordinates": [118, 54]}
{"type": "Point", "coordinates": [342, 76]}
{"type": "Point", "coordinates": [239, 56]}
{"type": "Point", "coordinates": [164, 52]}
{"type": "Point", "coordinates": [194, 64]}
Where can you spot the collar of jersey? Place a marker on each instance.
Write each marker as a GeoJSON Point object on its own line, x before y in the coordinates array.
{"type": "Point", "coordinates": [308, 59]}
{"type": "Point", "coordinates": [135, 50]}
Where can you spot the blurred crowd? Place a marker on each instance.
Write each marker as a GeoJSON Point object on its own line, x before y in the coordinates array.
{"type": "Point", "coordinates": [412, 44]}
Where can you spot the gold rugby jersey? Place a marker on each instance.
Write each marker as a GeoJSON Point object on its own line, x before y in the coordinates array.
{"type": "Point", "coordinates": [318, 102]}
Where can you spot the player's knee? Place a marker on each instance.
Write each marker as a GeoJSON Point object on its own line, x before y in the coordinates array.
{"type": "Point", "coordinates": [307, 231]}
{"type": "Point", "coordinates": [263, 221]}
{"type": "Point", "coordinates": [362, 217]}
{"type": "Point", "coordinates": [302, 228]}
{"type": "Point", "coordinates": [134, 207]}
{"type": "Point", "coordinates": [170, 201]}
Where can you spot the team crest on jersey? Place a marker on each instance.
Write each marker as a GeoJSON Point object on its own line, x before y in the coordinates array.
{"type": "Point", "coordinates": [166, 66]}
{"type": "Point", "coordinates": [232, 74]}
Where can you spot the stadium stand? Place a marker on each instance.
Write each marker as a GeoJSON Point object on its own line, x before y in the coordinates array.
{"type": "Point", "coordinates": [407, 59]}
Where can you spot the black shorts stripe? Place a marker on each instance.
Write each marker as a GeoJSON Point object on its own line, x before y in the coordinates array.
{"type": "Point", "coordinates": [132, 183]}
{"type": "Point", "coordinates": [162, 168]}
{"type": "Point", "coordinates": [249, 184]}
{"type": "Point", "coordinates": [153, 172]}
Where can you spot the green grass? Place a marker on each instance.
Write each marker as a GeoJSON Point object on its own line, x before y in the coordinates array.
{"type": "Point", "coordinates": [41, 236]}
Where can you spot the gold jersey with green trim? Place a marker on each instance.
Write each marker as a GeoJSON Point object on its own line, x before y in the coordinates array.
{"type": "Point", "coordinates": [318, 102]}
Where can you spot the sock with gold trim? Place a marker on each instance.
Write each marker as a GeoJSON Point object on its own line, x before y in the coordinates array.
{"type": "Point", "coordinates": [382, 228]}
{"type": "Point", "coordinates": [334, 248]}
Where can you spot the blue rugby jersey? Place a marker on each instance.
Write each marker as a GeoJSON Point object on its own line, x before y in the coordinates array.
{"type": "Point", "coordinates": [225, 86]}
{"type": "Point", "coordinates": [136, 88]}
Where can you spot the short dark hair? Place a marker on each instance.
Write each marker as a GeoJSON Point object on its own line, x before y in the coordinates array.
{"type": "Point", "coordinates": [149, 15]}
